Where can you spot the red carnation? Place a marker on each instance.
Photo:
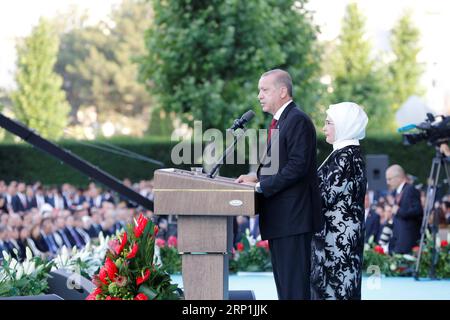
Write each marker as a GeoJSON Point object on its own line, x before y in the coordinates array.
{"type": "Point", "coordinates": [141, 224]}
{"type": "Point", "coordinates": [141, 296]}
{"type": "Point", "coordinates": [172, 241]}
{"type": "Point", "coordinates": [240, 247]}
{"type": "Point", "coordinates": [155, 231]}
{"type": "Point", "coordinates": [119, 249]}
{"type": "Point", "coordinates": [160, 242]}
{"type": "Point", "coordinates": [416, 249]}
{"type": "Point", "coordinates": [93, 295]}
{"type": "Point", "coordinates": [444, 243]}
{"type": "Point", "coordinates": [141, 280]}
{"type": "Point", "coordinates": [263, 244]}
{"type": "Point", "coordinates": [133, 251]}
{"type": "Point", "coordinates": [379, 249]}
{"type": "Point", "coordinates": [111, 269]}
{"type": "Point", "coordinates": [102, 275]}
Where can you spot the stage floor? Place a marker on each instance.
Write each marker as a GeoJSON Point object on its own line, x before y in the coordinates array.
{"type": "Point", "coordinates": [384, 288]}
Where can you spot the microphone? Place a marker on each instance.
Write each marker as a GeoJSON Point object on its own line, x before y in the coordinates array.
{"type": "Point", "coordinates": [238, 123]}
{"type": "Point", "coordinates": [246, 117]}
{"type": "Point", "coordinates": [406, 128]}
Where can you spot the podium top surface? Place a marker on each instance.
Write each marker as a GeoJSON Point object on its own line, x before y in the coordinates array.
{"type": "Point", "coordinates": [184, 192]}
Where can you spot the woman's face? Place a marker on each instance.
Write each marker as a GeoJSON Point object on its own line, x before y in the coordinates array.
{"type": "Point", "coordinates": [329, 130]}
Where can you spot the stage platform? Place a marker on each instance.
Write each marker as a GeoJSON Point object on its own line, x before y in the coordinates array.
{"type": "Point", "coordinates": [384, 288]}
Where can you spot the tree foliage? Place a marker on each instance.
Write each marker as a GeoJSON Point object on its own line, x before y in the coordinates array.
{"type": "Point", "coordinates": [356, 76]}
{"type": "Point", "coordinates": [39, 101]}
{"type": "Point", "coordinates": [404, 70]}
{"type": "Point", "coordinates": [97, 63]}
{"type": "Point", "coordinates": [204, 58]}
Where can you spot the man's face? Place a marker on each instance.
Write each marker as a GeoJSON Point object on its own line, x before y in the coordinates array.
{"type": "Point", "coordinates": [393, 180]}
{"type": "Point", "coordinates": [47, 226]}
{"type": "Point", "coordinates": [269, 95]}
{"type": "Point", "coordinates": [21, 187]}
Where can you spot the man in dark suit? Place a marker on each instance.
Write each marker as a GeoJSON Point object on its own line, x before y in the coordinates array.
{"type": "Point", "coordinates": [372, 223]}
{"type": "Point", "coordinates": [408, 211]}
{"type": "Point", "coordinates": [286, 182]}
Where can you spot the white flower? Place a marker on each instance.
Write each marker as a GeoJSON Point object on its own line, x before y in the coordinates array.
{"type": "Point", "coordinates": [6, 256]}
{"type": "Point", "coordinates": [32, 268]}
{"type": "Point", "coordinates": [19, 273]}
{"type": "Point", "coordinates": [393, 266]}
{"type": "Point", "coordinates": [28, 253]}
{"type": "Point", "coordinates": [409, 257]}
{"type": "Point", "coordinates": [13, 264]}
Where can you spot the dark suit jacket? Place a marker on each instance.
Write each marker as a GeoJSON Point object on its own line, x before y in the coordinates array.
{"type": "Point", "coordinates": [290, 203]}
{"type": "Point", "coordinates": [17, 204]}
{"type": "Point", "coordinates": [407, 221]}
{"type": "Point", "coordinates": [372, 225]}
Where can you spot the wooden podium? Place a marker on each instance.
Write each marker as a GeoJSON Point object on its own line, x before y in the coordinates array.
{"type": "Point", "coordinates": [205, 209]}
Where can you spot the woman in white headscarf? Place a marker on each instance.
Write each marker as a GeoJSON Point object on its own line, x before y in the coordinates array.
{"type": "Point", "coordinates": [337, 251]}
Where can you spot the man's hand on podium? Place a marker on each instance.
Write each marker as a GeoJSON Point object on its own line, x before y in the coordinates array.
{"type": "Point", "coordinates": [247, 179]}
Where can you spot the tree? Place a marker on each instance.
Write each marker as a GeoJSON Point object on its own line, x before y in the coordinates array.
{"type": "Point", "coordinates": [405, 71]}
{"type": "Point", "coordinates": [39, 101]}
{"type": "Point", "coordinates": [204, 58]}
{"type": "Point", "coordinates": [358, 78]}
{"type": "Point", "coordinates": [98, 65]}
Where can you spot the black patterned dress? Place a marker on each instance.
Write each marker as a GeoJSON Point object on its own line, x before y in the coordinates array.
{"type": "Point", "coordinates": [337, 251]}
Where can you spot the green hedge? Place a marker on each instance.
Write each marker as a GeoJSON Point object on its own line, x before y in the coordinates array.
{"type": "Point", "coordinates": [26, 163]}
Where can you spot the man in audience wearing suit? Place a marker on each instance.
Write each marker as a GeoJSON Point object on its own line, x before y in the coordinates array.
{"type": "Point", "coordinates": [372, 221]}
{"type": "Point", "coordinates": [51, 238]}
{"type": "Point", "coordinates": [287, 186]}
{"type": "Point", "coordinates": [19, 200]}
{"type": "Point", "coordinates": [408, 211]}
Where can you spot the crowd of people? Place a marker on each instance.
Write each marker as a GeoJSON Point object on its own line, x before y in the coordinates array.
{"type": "Point", "coordinates": [47, 219]}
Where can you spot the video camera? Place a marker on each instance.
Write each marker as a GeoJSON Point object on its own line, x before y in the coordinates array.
{"type": "Point", "coordinates": [435, 130]}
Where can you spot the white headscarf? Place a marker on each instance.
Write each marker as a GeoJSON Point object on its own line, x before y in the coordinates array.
{"type": "Point", "coordinates": [350, 123]}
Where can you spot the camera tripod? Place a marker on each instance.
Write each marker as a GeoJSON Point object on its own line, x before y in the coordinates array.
{"type": "Point", "coordinates": [439, 161]}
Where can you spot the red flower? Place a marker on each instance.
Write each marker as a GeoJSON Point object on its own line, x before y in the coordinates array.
{"type": "Point", "coordinates": [172, 241]}
{"type": "Point", "coordinates": [240, 247]}
{"type": "Point", "coordinates": [93, 295]}
{"type": "Point", "coordinates": [416, 249]}
{"type": "Point", "coordinates": [141, 280]}
{"type": "Point", "coordinates": [160, 242]}
{"type": "Point", "coordinates": [112, 298]}
{"type": "Point", "coordinates": [102, 275]}
{"type": "Point", "coordinates": [119, 249]}
{"type": "Point", "coordinates": [155, 231]}
{"type": "Point", "coordinates": [444, 243]}
{"type": "Point", "coordinates": [133, 251]}
{"type": "Point", "coordinates": [111, 269]}
{"type": "Point", "coordinates": [401, 269]}
{"type": "Point", "coordinates": [141, 296]}
{"type": "Point", "coordinates": [141, 224]}
{"type": "Point", "coordinates": [379, 249]}
{"type": "Point", "coordinates": [263, 244]}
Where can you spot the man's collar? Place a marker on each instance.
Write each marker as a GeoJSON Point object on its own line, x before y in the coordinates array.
{"type": "Point", "coordinates": [280, 111]}
{"type": "Point", "coordinates": [400, 187]}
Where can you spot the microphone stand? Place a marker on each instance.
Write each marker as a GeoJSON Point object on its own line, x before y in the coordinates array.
{"type": "Point", "coordinates": [218, 164]}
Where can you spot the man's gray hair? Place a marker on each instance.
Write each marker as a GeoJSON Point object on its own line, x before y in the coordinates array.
{"type": "Point", "coordinates": [282, 79]}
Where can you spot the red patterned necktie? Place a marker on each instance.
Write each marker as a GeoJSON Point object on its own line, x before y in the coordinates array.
{"type": "Point", "coordinates": [273, 125]}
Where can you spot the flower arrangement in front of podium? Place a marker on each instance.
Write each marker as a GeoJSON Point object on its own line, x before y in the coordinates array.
{"type": "Point", "coordinates": [129, 271]}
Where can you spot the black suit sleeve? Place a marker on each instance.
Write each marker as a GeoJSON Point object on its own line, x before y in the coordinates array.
{"type": "Point", "coordinates": [410, 207]}
{"type": "Point", "coordinates": [299, 148]}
